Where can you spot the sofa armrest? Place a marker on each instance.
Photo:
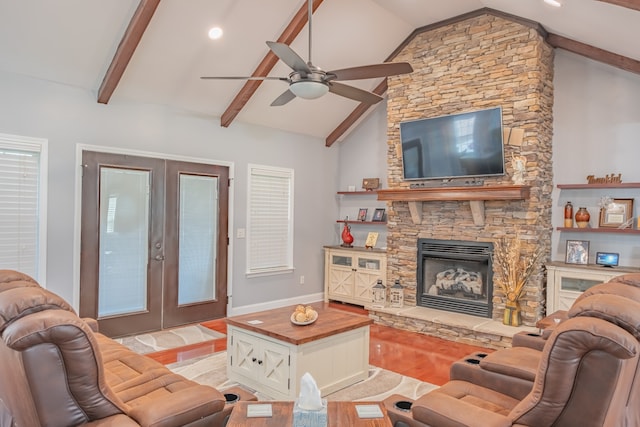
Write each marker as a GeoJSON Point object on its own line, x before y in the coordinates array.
{"type": "Point", "coordinates": [529, 339]}
{"type": "Point", "coordinates": [179, 408]}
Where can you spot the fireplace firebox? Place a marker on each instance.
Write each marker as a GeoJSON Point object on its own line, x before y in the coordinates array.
{"type": "Point", "coordinates": [456, 276]}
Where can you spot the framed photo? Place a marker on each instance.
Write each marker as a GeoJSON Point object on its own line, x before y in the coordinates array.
{"type": "Point", "coordinates": [378, 215]}
{"type": "Point", "coordinates": [362, 214]}
{"type": "Point", "coordinates": [617, 213]}
{"type": "Point", "coordinates": [577, 252]}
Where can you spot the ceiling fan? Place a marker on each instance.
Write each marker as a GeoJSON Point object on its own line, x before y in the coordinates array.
{"type": "Point", "coordinates": [310, 82]}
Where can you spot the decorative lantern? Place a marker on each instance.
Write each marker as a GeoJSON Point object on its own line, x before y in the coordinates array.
{"type": "Point", "coordinates": [379, 294]}
{"type": "Point", "coordinates": [397, 295]}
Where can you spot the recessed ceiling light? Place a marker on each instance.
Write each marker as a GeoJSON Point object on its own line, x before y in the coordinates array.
{"type": "Point", "coordinates": [215, 33]}
{"type": "Point", "coordinates": [555, 3]}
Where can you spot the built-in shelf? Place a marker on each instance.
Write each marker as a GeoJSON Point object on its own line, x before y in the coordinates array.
{"type": "Point", "coordinates": [358, 193]}
{"type": "Point", "coordinates": [475, 195]}
{"type": "Point", "coordinates": [609, 185]}
{"type": "Point", "coordinates": [597, 186]}
{"type": "Point", "coordinates": [599, 230]}
{"type": "Point", "coordinates": [356, 222]}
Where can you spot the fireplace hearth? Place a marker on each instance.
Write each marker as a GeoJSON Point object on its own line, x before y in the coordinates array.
{"type": "Point", "coordinates": [455, 275]}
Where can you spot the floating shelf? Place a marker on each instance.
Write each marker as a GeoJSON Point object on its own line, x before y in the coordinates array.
{"type": "Point", "coordinates": [599, 230]}
{"type": "Point", "coordinates": [358, 193]}
{"type": "Point", "coordinates": [356, 222]}
{"type": "Point", "coordinates": [476, 197]}
{"type": "Point", "coordinates": [597, 186]}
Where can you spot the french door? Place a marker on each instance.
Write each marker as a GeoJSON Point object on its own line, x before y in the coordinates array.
{"type": "Point", "coordinates": [153, 242]}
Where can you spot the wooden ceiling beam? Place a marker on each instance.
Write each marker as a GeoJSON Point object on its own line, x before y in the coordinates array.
{"type": "Point", "coordinates": [126, 48]}
{"type": "Point", "coordinates": [630, 4]}
{"type": "Point", "coordinates": [354, 116]}
{"type": "Point", "coordinates": [266, 65]}
{"type": "Point", "coordinates": [595, 53]}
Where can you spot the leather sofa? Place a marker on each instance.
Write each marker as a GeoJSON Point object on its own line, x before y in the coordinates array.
{"type": "Point", "coordinates": [587, 373]}
{"type": "Point", "coordinates": [57, 370]}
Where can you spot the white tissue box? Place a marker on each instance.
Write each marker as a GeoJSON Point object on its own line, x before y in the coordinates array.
{"type": "Point", "coordinates": [310, 418]}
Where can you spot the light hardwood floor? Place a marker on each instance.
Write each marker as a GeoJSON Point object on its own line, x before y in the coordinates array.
{"type": "Point", "coordinates": [408, 353]}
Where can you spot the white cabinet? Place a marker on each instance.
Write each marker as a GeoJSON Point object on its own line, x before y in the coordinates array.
{"type": "Point", "coordinates": [350, 273]}
{"type": "Point", "coordinates": [565, 282]}
{"type": "Point", "coordinates": [253, 358]}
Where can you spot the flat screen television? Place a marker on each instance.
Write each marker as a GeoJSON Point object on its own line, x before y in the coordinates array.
{"type": "Point", "coordinates": [454, 146]}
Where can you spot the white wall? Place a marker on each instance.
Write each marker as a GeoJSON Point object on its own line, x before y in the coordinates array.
{"type": "Point", "coordinates": [69, 116]}
{"type": "Point", "coordinates": [596, 132]}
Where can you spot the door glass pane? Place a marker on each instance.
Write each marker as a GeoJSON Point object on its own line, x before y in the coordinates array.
{"type": "Point", "coordinates": [198, 235]}
{"type": "Point", "coordinates": [124, 236]}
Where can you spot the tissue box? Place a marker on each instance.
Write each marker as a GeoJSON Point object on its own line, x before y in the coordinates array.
{"type": "Point", "coordinates": [307, 418]}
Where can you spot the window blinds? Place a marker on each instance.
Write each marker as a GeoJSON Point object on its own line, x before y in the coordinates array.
{"type": "Point", "coordinates": [20, 221]}
{"type": "Point", "coordinates": [270, 220]}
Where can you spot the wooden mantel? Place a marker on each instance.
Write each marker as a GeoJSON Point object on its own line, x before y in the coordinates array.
{"type": "Point", "coordinates": [476, 195]}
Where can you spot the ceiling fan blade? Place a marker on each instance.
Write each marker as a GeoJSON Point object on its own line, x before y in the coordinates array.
{"type": "Point", "coordinates": [354, 93]}
{"type": "Point", "coordinates": [283, 99]}
{"type": "Point", "coordinates": [289, 57]}
{"type": "Point", "coordinates": [284, 79]}
{"type": "Point", "coordinates": [372, 71]}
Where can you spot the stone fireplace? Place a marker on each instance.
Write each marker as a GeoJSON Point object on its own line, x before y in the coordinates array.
{"type": "Point", "coordinates": [481, 60]}
{"type": "Point", "coordinates": [455, 276]}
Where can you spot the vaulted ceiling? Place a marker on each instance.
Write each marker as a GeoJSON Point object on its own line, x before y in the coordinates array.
{"type": "Point", "coordinates": [155, 51]}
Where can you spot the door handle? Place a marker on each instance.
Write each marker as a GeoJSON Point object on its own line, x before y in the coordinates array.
{"type": "Point", "coordinates": [159, 258]}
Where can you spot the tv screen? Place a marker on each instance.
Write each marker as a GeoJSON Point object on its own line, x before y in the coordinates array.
{"type": "Point", "coordinates": [454, 146]}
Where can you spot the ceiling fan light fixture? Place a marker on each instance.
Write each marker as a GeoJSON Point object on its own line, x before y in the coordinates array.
{"type": "Point", "coordinates": [309, 89]}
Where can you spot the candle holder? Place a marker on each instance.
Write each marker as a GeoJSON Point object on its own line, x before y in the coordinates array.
{"type": "Point", "coordinates": [379, 295]}
{"type": "Point", "coordinates": [397, 295]}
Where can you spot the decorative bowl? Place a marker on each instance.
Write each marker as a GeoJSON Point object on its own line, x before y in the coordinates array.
{"type": "Point", "coordinates": [306, 322]}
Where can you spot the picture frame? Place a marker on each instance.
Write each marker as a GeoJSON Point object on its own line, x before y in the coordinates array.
{"type": "Point", "coordinates": [362, 214]}
{"type": "Point", "coordinates": [577, 252]}
{"type": "Point", "coordinates": [616, 213]}
{"type": "Point", "coordinates": [378, 215]}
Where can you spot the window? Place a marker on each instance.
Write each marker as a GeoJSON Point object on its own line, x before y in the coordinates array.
{"type": "Point", "coordinates": [270, 220]}
{"type": "Point", "coordinates": [23, 172]}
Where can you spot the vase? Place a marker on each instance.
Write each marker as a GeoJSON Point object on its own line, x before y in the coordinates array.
{"type": "Point", "coordinates": [512, 314]}
{"type": "Point", "coordinates": [347, 238]}
{"type": "Point", "coordinates": [582, 218]}
{"type": "Point", "coordinates": [568, 215]}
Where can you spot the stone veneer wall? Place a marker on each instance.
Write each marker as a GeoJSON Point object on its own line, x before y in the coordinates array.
{"type": "Point", "coordinates": [480, 62]}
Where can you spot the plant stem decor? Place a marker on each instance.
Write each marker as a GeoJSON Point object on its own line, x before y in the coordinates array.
{"type": "Point", "coordinates": [513, 268]}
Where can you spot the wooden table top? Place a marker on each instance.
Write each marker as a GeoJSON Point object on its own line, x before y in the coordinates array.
{"type": "Point", "coordinates": [277, 324]}
{"type": "Point", "coordinates": [339, 414]}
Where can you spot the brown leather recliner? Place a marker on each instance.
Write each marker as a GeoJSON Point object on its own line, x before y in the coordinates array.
{"type": "Point", "coordinates": [588, 376]}
{"type": "Point", "coordinates": [511, 371]}
{"type": "Point", "coordinates": [56, 371]}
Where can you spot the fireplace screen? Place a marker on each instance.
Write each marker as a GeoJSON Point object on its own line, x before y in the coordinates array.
{"type": "Point", "coordinates": [455, 276]}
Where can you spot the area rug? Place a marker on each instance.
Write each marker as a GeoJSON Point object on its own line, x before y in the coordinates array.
{"type": "Point", "coordinates": [169, 338]}
{"type": "Point", "coordinates": [212, 370]}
